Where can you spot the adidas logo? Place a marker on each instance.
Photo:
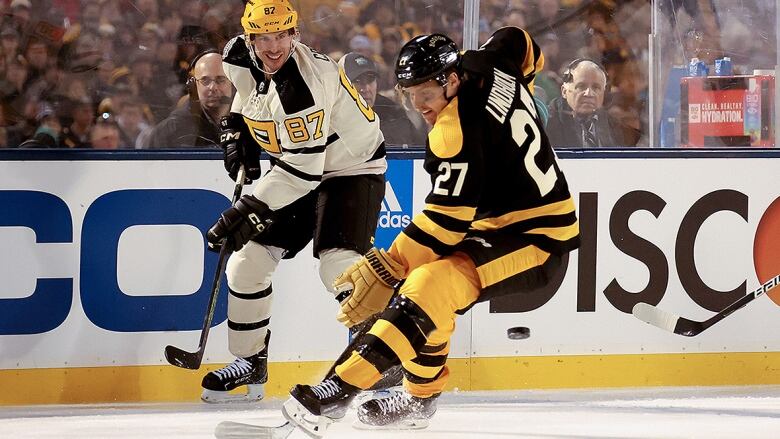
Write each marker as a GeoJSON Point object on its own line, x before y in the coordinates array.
{"type": "Point", "coordinates": [391, 215]}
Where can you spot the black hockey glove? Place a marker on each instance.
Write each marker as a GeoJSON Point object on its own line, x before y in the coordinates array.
{"type": "Point", "coordinates": [238, 149]}
{"type": "Point", "coordinates": [239, 224]}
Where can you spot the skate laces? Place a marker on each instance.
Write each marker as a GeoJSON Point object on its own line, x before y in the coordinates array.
{"type": "Point", "coordinates": [394, 403]}
{"type": "Point", "coordinates": [326, 389]}
{"type": "Point", "coordinates": [234, 369]}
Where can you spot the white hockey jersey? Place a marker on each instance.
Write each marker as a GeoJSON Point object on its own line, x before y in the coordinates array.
{"type": "Point", "coordinates": [308, 117]}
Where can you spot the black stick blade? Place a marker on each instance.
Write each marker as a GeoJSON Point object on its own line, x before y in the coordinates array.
{"type": "Point", "coordinates": [183, 359]}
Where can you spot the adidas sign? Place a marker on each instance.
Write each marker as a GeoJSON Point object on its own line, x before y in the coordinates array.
{"type": "Point", "coordinates": [391, 215]}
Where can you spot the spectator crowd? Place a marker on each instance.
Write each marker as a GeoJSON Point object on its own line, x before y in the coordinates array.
{"type": "Point", "coordinates": [118, 74]}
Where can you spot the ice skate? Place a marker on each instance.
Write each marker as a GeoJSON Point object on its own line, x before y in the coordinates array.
{"type": "Point", "coordinates": [251, 372]}
{"type": "Point", "coordinates": [400, 411]}
{"type": "Point", "coordinates": [390, 383]}
{"type": "Point", "coordinates": [314, 408]}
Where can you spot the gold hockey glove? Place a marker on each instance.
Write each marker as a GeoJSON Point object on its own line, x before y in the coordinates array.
{"type": "Point", "coordinates": [372, 280]}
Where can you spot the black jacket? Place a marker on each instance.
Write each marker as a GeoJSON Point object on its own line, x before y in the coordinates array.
{"type": "Point", "coordinates": [41, 139]}
{"type": "Point", "coordinates": [564, 130]}
{"type": "Point", "coordinates": [186, 127]}
{"type": "Point", "coordinates": [395, 125]}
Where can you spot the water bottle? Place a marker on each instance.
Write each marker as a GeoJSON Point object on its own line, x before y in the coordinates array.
{"type": "Point", "coordinates": [723, 67]}
{"type": "Point", "coordinates": [697, 68]}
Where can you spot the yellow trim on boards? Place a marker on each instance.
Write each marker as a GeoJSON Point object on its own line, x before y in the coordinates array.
{"type": "Point", "coordinates": [171, 384]}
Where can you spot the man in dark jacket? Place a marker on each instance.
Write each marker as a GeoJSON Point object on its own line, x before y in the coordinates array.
{"type": "Point", "coordinates": [393, 121]}
{"type": "Point", "coordinates": [578, 118]}
{"type": "Point", "coordinates": [196, 122]}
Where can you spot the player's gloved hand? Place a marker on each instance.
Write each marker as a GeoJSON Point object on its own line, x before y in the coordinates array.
{"type": "Point", "coordinates": [237, 148]}
{"type": "Point", "coordinates": [372, 280]}
{"type": "Point", "coordinates": [239, 224]}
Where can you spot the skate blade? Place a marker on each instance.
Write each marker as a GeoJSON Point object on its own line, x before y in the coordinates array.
{"type": "Point", "coordinates": [313, 425]}
{"type": "Point", "coordinates": [237, 430]}
{"type": "Point", "coordinates": [407, 424]}
{"type": "Point", "coordinates": [254, 393]}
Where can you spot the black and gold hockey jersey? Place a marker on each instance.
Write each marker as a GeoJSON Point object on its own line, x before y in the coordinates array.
{"type": "Point", "coordinates": [308, 117]}
{"type": "Point", "coordinates": [496, 184]}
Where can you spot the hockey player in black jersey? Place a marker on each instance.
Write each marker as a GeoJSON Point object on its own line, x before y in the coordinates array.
{"type": "Point", "coordinates": [498, 220]}
{"type": "Point", "coordinates": [326, 183]}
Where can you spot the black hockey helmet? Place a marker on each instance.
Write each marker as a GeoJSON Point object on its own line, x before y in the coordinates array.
{"type": "Point", "coordinates": [426, 57]}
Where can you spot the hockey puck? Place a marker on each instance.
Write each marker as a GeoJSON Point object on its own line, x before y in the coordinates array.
{"type": "Point", "coordinates": [518, 333]}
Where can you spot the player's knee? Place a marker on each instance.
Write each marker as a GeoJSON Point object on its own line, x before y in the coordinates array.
{"type": "Point", "coordinates": [421, 284]}
{"type": "Point", "coordinates": [250, 269]}
{"type": "Point", "coordinates": [333, 262]}
{"type": "Point", "coordinates": [441, 285]}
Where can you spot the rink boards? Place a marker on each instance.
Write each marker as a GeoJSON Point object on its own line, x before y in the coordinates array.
{"type": "Point", "coordinates": [104, 264]}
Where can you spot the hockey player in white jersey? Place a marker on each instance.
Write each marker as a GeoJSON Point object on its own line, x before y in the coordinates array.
{"type": "Point", "coordinates": [326, 182]}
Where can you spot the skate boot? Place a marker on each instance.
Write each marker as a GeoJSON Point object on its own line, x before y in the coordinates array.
{"type": "Point", "coordinates": [251, 372]}
{"type": "Point", "coordinates": [314, 408]}
{"type": "Point", "coordinates": [399, 411]}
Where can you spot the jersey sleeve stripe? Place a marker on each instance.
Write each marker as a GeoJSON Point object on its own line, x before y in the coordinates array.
{"type": "Point", "coordinates": [529, 63]}
{"type": "Point", "coordinates": [297, 173]}
{"type": "Point", "coordinates": [558, 208]}
{"type": "Point", "coordinates": [448, 222]}
{"type": "Point", "coordinates": [457, 212]}
{"type": "Point", "coordinates": [558, 233]}
{"type": "Point", "coordinates": [447, 237]}
{"type": "Point", "coordinates": [539, 57]}
{"type": "Point", "coordinates": [317, 149]}
{"type": "Point", "coordinates": [332, 138]}
{"type": "Point", "coordinates": [426, 239]}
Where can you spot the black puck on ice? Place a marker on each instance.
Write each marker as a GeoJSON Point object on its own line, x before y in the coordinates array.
{"type": "Point", "coordinates": [518, 333]}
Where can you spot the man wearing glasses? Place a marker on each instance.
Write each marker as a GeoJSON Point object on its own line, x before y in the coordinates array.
{"type": "Point", "coordinates": [195, 123]}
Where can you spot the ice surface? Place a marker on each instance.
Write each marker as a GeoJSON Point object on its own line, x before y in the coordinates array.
{"type": "Point", "coordinates": [692, 412]}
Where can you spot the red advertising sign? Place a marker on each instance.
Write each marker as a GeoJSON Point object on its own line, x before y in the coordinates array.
{"type": "Point", "coordinates": [727, 111]}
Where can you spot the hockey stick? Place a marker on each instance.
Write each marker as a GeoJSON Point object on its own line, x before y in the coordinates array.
{"type": "Point", "coordinates": [689, 328]}
{"type": "Point", "coordinates": [191, 360]}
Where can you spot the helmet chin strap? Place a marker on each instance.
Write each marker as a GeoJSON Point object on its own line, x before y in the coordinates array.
{"type": "Point", "coordinates": [448, 98]}
{"type": "Point", "coordinates": [257, 64]}
{"type": "Point", "coordinates": [442, 80]}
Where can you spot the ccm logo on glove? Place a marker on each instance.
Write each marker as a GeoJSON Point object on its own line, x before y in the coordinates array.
{"type": "Point", "coordinates": [240, 224]}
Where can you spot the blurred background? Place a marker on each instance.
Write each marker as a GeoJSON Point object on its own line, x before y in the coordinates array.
{"type": "Point", "coordinates": [102, 74]}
